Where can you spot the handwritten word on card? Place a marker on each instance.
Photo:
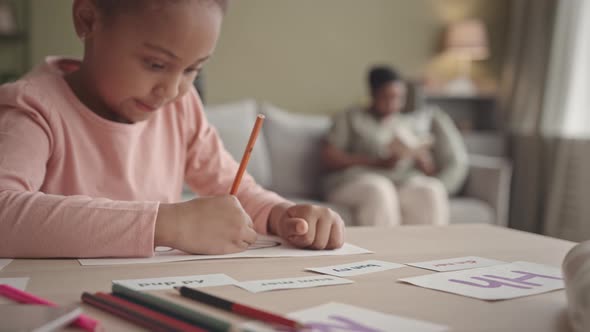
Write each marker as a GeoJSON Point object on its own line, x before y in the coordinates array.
{"type": "Point", "coordinates": [454, 264]}
{"type": "Point", "coordinates": [338, 317]}
{"type": "Point", "coordinates": [257, 286]}
{"type": "Point", "coordinates": [498, 282]}
{"type": "Point", "coordinates": [353, 269]}
{"type": "Point", "coordinates": [206, 280]}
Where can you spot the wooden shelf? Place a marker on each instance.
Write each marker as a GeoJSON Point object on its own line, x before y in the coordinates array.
{"type": "Point", "coordinates": [479, 97]}
{"type": "Point", "coordinates": [12, 36]}
{"type": "Point", "coordinates": [478, 112]}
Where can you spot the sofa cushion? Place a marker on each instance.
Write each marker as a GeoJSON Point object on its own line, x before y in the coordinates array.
{"type": "Point", "coordinates": [234, 123]}
{"type": "Point", "coordinates": [484, 143]}
{"type": "Point", "coordinates": [470, 211]}
{"type": "Point", "coordinates": [294, 150]}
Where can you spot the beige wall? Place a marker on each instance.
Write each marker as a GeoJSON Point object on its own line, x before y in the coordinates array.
{"type": "Point", "coordinates": [14, 51]}
{"type": "Point", "coordinates": [305, 55]}
{"type": "Point", "coordinates": [52, 31]}
{"type": "Point", "coordinates": [312, 55]}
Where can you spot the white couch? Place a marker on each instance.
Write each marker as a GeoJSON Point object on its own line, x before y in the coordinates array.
{"type": "Point", "coordinates": [286, 160]}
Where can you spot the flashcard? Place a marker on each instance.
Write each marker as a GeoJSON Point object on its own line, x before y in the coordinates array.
{"type": "Point", "coordinates": [257, 286]}
{"type": "Point", "coordinates": [353, 269]}
{"type": "Point", "coordinates": [206, 280]}
{"type": "Point", "coordinates": [498, 282]}
{"type": "Point", "coordinates": [454, 264]}
{"type": "Point", "coordinates": [4, 262]}
{"type": "Point", "coordinates": [339, 317]}
{"type": "Point", "coordinates": [20, 283]}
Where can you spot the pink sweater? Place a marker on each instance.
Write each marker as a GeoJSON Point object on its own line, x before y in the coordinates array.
{"type": "Point", "coordinates": [73, 184]}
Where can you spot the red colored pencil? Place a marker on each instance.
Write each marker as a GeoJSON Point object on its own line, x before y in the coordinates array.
{"type": "Point", "coordinates": [237, 308]}
{"type": "Point", "coordinates": [137, 314]}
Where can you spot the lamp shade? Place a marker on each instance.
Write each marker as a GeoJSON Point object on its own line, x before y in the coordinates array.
{"type": "Point", "coordinates": [467, 38]}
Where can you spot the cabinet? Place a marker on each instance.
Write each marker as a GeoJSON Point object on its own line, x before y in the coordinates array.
{"type": "Point", "coordinates": [469, 112]}
{"type": "Point", "coordinates": [14, 42]}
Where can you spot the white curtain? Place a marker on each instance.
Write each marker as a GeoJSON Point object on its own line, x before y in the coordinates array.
{"type": "Point", "coordinates": [567, 99]}
{"type": "Point", "coordinates": [545, 97]}
{"type": "Point", "coordinates": [522, 93]}
{"type": "Point", "coordinates": [566, 118]}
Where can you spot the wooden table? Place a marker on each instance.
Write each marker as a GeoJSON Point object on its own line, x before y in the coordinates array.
{"type": "Point", "coordinates": [64, 280]}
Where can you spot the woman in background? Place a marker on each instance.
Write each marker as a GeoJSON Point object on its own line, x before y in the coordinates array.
{"type": "Point", "coordinates": [393, 168]}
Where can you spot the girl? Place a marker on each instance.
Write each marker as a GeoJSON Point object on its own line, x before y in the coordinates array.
{"type": "Point", "coordinates": [94, 153]}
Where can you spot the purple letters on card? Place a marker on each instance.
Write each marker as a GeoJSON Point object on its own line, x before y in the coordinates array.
{"type": "Point", "coordinates": [493, 281]}
{"type": "Point", "coordinates": [341, 324]}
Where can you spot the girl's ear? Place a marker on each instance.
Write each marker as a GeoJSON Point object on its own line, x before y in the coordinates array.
{"type": "Point", "coordinates": [85, 15]}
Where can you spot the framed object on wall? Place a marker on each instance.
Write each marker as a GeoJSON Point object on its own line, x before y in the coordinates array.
{"type": "Point", "coordinates": [7, 18]}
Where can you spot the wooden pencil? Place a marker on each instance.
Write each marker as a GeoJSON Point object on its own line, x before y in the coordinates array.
{"type": "Point", "coordinates": [140, 315]}
{"type": "Point", "coordinates": [247, 152]}
{"type": "Point", "coordinates": [237, 308]}
{"type": "Point", "coordinates": [167, 307]}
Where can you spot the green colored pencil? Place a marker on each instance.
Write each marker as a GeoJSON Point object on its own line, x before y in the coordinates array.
{"type": "Point", "coordinates": [172, 309]}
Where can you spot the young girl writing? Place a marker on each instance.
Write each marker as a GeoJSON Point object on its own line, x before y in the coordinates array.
{"type": "Point", "coordinates": [94, 153]}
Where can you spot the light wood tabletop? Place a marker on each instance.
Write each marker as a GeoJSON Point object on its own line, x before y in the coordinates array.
{"type": "Point", "coordinates": [64, 280]}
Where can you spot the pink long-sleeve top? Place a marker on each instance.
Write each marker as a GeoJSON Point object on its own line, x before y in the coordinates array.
{"type": "Point", "coordinates": [73, 184]}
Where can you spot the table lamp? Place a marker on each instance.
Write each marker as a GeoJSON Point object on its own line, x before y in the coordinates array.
{"type": "Point", "coordinates": [465, 41]}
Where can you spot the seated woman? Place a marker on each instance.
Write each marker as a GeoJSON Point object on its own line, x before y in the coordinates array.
{"type": "Point", "coordinates": [391, 167]}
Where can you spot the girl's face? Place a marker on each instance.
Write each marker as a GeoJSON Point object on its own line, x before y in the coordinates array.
{"type": "Point", "coordinates": [390, 98]}
{"type": "Point", "coordinates": [137, 62]}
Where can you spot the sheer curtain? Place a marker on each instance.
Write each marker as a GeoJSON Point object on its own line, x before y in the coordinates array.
{"type": "Point", "coordinates": [522, 92]}
{"type": "Point", "coordinates": [546, 103]}
{"type": "Point", "coordinates": [567, 101]}
{"type": "Point", "coordinates": [567, 109]}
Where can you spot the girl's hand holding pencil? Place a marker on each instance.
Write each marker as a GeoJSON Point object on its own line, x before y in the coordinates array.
{"type": "Point", "coordinates": [206, 225]}
{"type": "Point", "coordinates": [224, 227]}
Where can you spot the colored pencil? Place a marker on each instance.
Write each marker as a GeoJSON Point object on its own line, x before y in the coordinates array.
{"type": "Point", "coordinates": [153, 320]}
{"type": "Point", "coordinates": [237, 308]}
{"type": "Point", "coordinates": [247, 152]}
{"type": "Point", "coordinates": [83, 321]}
{"type": "Point", "coordinates": [170, 308]}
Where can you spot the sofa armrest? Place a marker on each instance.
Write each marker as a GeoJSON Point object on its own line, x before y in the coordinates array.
{"type": "Point", "coordinates": [489, 180]}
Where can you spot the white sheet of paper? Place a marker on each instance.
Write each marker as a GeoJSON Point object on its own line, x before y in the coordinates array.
{"type": "Point", "coordinates": [265, 246]}
{"type": "Point", "coordinates": [455, 264]}
{"type": "Point", "coordinates": [4, 262]}
{"type": "Point", "coordinates": [357, 268]}
{"type": "Point", "coordinates": [257, 286]}
{"type": "Point", "coordinates": [497, 282]}
{"type": "Point", "coordinates": [339, 317]}
{"type": "Point", "coordinates": [20, 283]}
{"type": "Point", "coordinates": [195, 281]}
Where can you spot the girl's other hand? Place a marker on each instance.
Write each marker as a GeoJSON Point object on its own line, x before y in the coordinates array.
{"type": "Point", "coordinates": [308, 226]}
